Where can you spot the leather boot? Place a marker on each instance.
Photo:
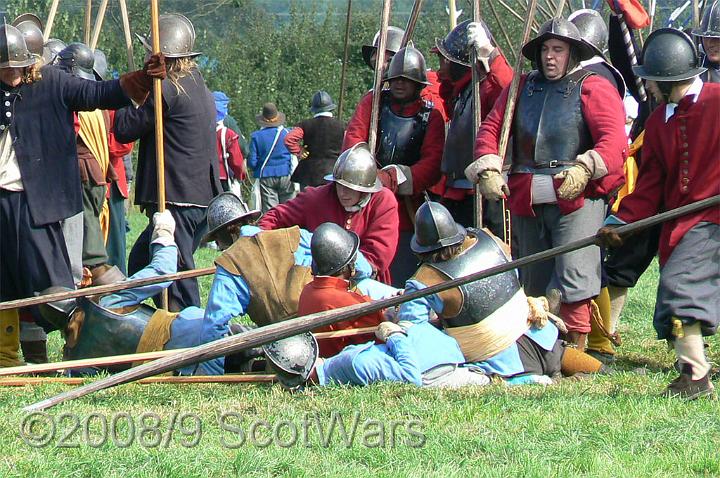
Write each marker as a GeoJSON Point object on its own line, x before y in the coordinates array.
{"type": "Point", "coordinates": [688, 389]}
{"type": "Point", "coordinates": [10, 338]}
{"type": "Point", "coordinates": [34, 351]}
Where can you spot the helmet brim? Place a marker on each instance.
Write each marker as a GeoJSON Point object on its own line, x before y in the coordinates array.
{"type": "Point", "coordinates": [363, 189]}
{"type": "Point", "coordinates": [448, 241]}
{"type": "Point", "coordinates": [640, 71]}
{"type": "Point", "coordinates": [149, 48]}
{"type": "Point", "coordinates": [531, 48]}
{"type": "Point", "coordinates": [443, 51]}
{"type": "Point", "coordinates": [324, 109]}
{"type": "Point", "coordinates": [210, 236]}
{"type": "Point", "coordinates": [424, 83]}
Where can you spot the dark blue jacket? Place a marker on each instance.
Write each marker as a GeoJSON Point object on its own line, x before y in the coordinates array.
{"type": "Point", "coordinates": [279, 162]}
{"type": "Point", "coordinates": [191, 164]}
{"type": "Point", "coordinates": [41, 125]}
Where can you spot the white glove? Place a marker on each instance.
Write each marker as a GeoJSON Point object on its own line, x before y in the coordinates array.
{"type": "Point", "coordinates": [164, 230]}
{"type": "Point", "coordinates": [478, 39]}
{"type": "Point", "coordinates": [386, 329]}
{"type": "Point", "coordinates": [492, 186]}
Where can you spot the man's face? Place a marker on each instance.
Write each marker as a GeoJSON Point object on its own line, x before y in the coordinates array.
{"type": "Point", "coordinates": [388, 57]}
{"type": "Point", "coordinates": [444, 70]}
{"type": "Point", "coordinates": [712, 49]}
{"type": "Point", "coordinates": [403, 90]}
{"type": "Point", "coordinates": [11, 76]}
{"type": "Point", "coordinates": [347, 197]}
{"type": "Point", "coordinates": [554, 56]}
{"type": "Point", "coordinates": [654, 90]}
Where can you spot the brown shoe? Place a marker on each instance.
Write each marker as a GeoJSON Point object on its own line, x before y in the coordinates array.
{"type": "Point", "coordinates": [688, 389]}
{"type": "Point", "coordinates": [576, 340]}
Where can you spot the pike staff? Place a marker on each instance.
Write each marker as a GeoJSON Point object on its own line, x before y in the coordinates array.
{"type": "Point", "coordinates": [128, 36]}
{"type": "Point", "coordinates": [50, 20]}
{"type": "Point", "coordinates": [98, 24]}
{"type": "Point", "coordinates": [477, 114]}
{"type": "Point", "coordinates": [379, 71]}
{"type": "Point", "coordinates": [346, 48]}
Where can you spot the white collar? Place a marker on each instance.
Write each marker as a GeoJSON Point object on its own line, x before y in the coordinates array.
{"type": "Point", "coordinates": [694, 91]}
{"type": "Point", "coordinates": [593, 61]}
{"type": "Point", "coordinates": [327, 114]}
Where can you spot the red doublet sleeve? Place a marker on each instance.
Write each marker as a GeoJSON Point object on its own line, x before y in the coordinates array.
{"type": "Point", "coordinates": [296, 211]}
{"type": "Point", "coordinates": [117, 152]}
{"type": "Point", "coordinates": [604, 115]}
{"type": "Point", "coordinates": [358, 129]}
{"type": "Point", "coordinates": [235, 158]}
{"type": "Point", "coordinates": [379, 241]}
{"type": "Point", "coordinates": [426, 172]}
{"type": "Point", "coordinates": [292, 140]}
{"type": "Point", "coordinates": [497, 80]}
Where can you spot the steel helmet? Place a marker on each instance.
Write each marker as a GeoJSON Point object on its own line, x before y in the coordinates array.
{"type": "Point", "coordinates": [560, 29]}
{"type": "Point", "coordinates": [224, 210]}
{"type": "Point", "coordinates": [177, 36]}
{"type": "Point", "coordinates": [592, 28]}
{"type": "Point", "coordinates": [408, 63]}
{"type": "Point", "coordinates": [356, 169]}
{"type": "Point", "coordinates": [392, 44]}
{"type": "Point", "coordinates": [293, 359]}
{"type": "Point", "coordinates": [435, 228]}
{"type": "Point", "coordinates": [14, 52]}
{"type": "Point", "coordinates": [669, 55]}
{"type": "Point", "coordinates": [332, 249]}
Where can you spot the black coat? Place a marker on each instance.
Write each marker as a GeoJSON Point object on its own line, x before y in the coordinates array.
{"type": "Point", "coordinates": [323, 138]}
{"type": "Point", "coordinates": [41, 126]}
{"type": "Point", "coordinates": [191, 164]}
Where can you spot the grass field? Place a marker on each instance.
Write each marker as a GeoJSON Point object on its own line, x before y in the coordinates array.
{"type": "Point", "coordinates": [608, 426]}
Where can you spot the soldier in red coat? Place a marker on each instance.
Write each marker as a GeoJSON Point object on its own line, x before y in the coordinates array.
{"type": "Point", "coordinates": [681, 165]}
{"type": "Point", "coordinates": [411, 134]}
{"type": "Point", "coordinates": [495, 73]}
{"type": "Point", "coordinates": [355, 200]}
{"type": "Point", "coordinates": [568, 149]}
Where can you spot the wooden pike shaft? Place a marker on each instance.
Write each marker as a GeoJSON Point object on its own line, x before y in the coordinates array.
{"type": "Point", "coordinates": [104, 289]}
{"type": "Point", "coordinates": [141, 357]}
{"type": "Point", "coordinates": [346, 49]}
{"type": "Point", "coordinates": [98, 24]}
{"type": "Point", "coordinates": [412, 22]}
{"type": "Point", "coordinates": [696, 13]}
{"type": "Point", "coordinates": [512, 93]}
{"type": "Point", "coordinates": [88, 20]}
{"type": "Point", "coordinates": [239, 378]}
{"type": "Point", "coordinates": [452, 11]}
{"type": "Point", "coordinates": [560, 8]}
{"type": "Point", "coordinates": [128, 36]}
{"type": "Point", "coordinates": [515, 14]}
{"type": "Point", "coordinates": [379, 72]}
{"type": "Point", "coordinates": [288, 328]}
{"type": "Point", "coordinates": [477, 115]}
{"type": "Point", "coordinates": [159, 138]}
{"type": "Point", "coordinates": [504, 31]}
{"type": "Point", "coordinates": [50, 20]}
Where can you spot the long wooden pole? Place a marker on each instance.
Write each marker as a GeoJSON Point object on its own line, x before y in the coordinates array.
{"type": "Point", "coordinates": [379, 73]}
{"type": "Point", "coordinates": [346, 50]}
{"type": "Point", "coordinates": [159, 138]}
{"type": "Point", "coordinates": [145, 356]}
{"type": "Point", "coordinates": [288, 328]}
{"type": "Point", "coordinates": [128, 35]}
{"type": "Point", "coordinates": [477, 115]}
{"type": "Point", "coordinates": [50, 20]}
{"type": "Point", "coordinates": [412, 22]}
{"type": "Point", "coordinates": [503, 29]}
{"type": "Point", "coordinates": [560, 8]}
{"type": "Point", "coordinates": [696, 14]}
{"type": "Point", "coordinates": [98, 24]}
{"type": "Point", "coordinates": [230, 378]}
{"type": "Point", "coordinates": [515, 14]}
{"type": "Point", "coordinates": [452, 11]}
{"type": "Point", "coordinates": [105, 289]}
{"type": "Point", "coordinates": [88, 20]}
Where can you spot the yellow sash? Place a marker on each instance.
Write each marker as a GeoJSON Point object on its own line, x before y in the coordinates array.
{"type": "Point", "coordinates": [95, 136]}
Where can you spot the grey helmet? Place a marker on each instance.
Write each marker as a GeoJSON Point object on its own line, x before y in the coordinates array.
{"type": "Point", "coordinates": [59, 312]}
{"type": "Point", "coordinates": [435, 228]}
{"type": "Point", "coordinates": [710, 23]}
{"type": "Point", "coordinates": [355, 169]}
{"type": "Point", "coordinates": [224, 210]}
{"type": "Point", "coordinates": [392, 44]}
{"type": "Point", "coordinates": [293, 359]}
{"type": "Point", "coordinates": [14, 52]}
{"type": "Point", "coordinates": [100, 67]}
{"type": "Point", "coordinates": [177, 36]}
{"type": "Point", "coordinates": [79, 60]}
{"type": "Point", "coordinates": [321, 102]}
{"type": "Point", "coordinates": [31, 28]}
{"type": "Point", "coordinates": [332, 249]}
{"type": "Point", "coordinates": [560, 29]}
{"type": "Point", "coordinates": [668, 55]}
{"type": "Point", "coordinates": [408, 63]}
{"type": "Point", "coordinates": [455, 46]}
{"type": "Point", "coordinates": [51, 49]}
{"type": "Point", "coordinates": [592, 29]}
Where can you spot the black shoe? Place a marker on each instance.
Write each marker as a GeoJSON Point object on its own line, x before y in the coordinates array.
{"type": "Point", "coordinates": [688, 389]}
{"type": "Point", "coordinates": [604, 357]}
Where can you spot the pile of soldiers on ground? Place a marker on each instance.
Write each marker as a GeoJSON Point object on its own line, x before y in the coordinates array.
{"type": "Point", "coordinates": [365, 224]}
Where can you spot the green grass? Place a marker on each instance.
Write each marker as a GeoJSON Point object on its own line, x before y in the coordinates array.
{"type": "Point", "coordinates": [608, 426]}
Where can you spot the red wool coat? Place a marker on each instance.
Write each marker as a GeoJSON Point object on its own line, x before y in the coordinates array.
{"type": "Point", "coordinates": [426, 172]}
{"type": "Point", "coordinates": [235, 158]}
{"type": "Point", "coordinates": [604, 115]}
{"type": "Point", "coordinates": [376, 223]}
{"type": "Point", "coordinates": [680, 165]}
{"type": "Point", "coordinates": [328, 293]}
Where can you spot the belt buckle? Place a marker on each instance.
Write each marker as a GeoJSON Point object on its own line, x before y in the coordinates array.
{"type": "Point", "coordinates": [553, 163]}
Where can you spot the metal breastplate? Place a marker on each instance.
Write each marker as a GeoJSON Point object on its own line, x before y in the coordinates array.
{"type": "Point", "coordinates": [400, 137]}
{"type": "Point", "coordinates": [460, 140]}
{"type": "Point", "coordinates": [480, 298]}
{"type": "Point", "coordinates": [549, 130]}
{"type": "Point", "coordinates": [105, 332]}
